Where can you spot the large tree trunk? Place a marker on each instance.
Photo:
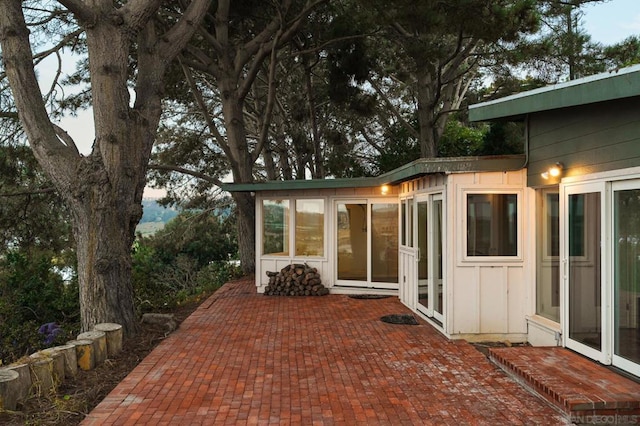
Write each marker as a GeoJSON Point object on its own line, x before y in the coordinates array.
{"type": "Point", "coordinates": [282, 149]}
{"type": "Point", "coordinates": [246, 230]}
{"type": "Point", "coordinates": [242, 171]}
{"type": "Point", "coordinates": [428, 142]}
{"type": "Point", "coordinates": [104, 225]}
{"type": "Point", "coordinates": [317, 166]}
{"type": "Point", "coordinates": [107, 195]}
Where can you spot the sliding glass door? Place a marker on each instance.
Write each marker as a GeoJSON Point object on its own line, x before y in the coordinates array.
{"type": "Point", "coordinates": [367, 243]}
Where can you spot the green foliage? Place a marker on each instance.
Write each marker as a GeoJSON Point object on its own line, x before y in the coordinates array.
{"type": "Point", "coordinates": [186, 259]}
{"type": "Point", "coordinates": [31, 213]}
{"type": "Point", "coordinates": [623, 54]}
{"type": "Point", "coordinates": [399, 149]}
{"type": "Point", "coordinates": [201, 236]}
{"type": "Point", "coordinates": [36, 248]}
{"type": "Point", "coordinates": [33, 293]}
{"type": "Point", "coordinates": [459, 140]}
{"type": "Point", "coordinates": [342, 159]}
{"type": "Point", "coordinates": [503, 138]}
{"type": "Point", "coordinates": [348, 62]}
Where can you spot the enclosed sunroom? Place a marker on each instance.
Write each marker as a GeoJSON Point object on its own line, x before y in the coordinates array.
{"type": "Point", "coordinates": [445, 235]}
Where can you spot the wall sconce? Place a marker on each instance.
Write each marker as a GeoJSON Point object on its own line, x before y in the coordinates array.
{"type": "Point", "coordinates": [384, 189]}
{"type": "Point", "coordinates": [554, 171]}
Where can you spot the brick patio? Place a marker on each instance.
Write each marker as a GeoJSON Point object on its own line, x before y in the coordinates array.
{"type": "Point", "coordinates": [246, 358]}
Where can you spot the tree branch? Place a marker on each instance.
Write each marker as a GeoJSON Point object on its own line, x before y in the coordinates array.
{"type": "Point", "coordinates": [136, 13]}
{"type": "Point", "coordinates": [67, 139]}
{"type": "Point", "coordinates": [201, 61]}
{"type": "Point", "coordinates": [264, 132]}
{"type": "Point", "coordinates": [260, 46]}
{"type": "Point", "coordinates": [209, 38]}
{"type": "Point", "coordinates": [83, 12]}
{"type": "Point", "coordinates": [222, 23]}
{"type": "Point", "coordinates": [394, 110]}
{"type": "Point", "coordinates": [332, 41]}
{"type": "Point", "coordinates": [197, 95]}
{"type": "Point", "coordinates": [174, 40]}
{"type": "Point", "coordinates": [185, 171]}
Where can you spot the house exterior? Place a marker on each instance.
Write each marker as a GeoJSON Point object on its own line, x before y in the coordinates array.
{"type": "Point", "coordinates": [543, 247]}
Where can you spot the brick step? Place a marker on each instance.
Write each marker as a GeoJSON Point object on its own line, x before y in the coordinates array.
{"type": "Point", "coordinates": [585, 391]}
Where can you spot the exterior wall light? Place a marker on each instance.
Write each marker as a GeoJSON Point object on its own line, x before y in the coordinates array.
{"type": "Point", "coordinates": [554, 171]}
{"type": "Point", "coordinates": [384, 189]}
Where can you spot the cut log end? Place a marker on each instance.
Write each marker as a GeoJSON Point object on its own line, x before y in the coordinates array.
{"type": "Point", "coordinates": [9, 381]}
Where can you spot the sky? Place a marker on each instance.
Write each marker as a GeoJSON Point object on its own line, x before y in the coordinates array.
{"type": "Point", "coordinates": [607, 22]}
{"type": "Point", "coordinates": [612, 21]}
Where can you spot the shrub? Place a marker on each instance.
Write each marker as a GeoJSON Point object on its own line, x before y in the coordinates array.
{"type": "Point", "coordinates": [32, 294]}
{"type": "Point", "coordinates": [185, 260]}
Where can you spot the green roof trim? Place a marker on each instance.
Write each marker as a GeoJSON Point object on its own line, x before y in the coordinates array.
{"type": "Point", "coordinates": [617, 84]}
{"type": "Point", "coordinates": [287, 185]}
{"type": "Point", "coordinates": [420, 167]}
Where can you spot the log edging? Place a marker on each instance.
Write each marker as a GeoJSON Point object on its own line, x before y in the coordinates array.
{"type": "Point", "coordinates": [41, 373]}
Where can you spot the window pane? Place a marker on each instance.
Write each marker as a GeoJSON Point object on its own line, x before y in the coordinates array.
{"type": "Point", "coordinates": [492, 225]}
{"type": "Point", "coordinates": [403, 214]}
{"type": "Point", "coordinates": [548, 250]}
{"type": "Point", "coordinates": [423, 253]}
{"type": "Point", "coordinates": [352, 242]}
{"type": "Point", "coordinates": [437, 253]}
{"type": "Point", "coordinates": [410, 223]}
{"type": "Point", "coordinates": [275, 231]}
{"type": "Point", "coordinates": [384, 243]}
{"type": "Point", "coordinates": [309, 227]}
{"type": "Point", "coordinates": [577, 226]}
{"type": "Point", "coordinates": [627, 274]}
{"type": "Point", "coordinates": [585, 313]}
{"type": "Point", "coordinates": [423, 261]}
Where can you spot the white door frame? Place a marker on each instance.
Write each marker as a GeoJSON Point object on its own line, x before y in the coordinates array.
{"type": "Point", "coordinates": [368, 202]}
{"type": "Point", "coordinates": [604, 354]}
{"type": "Point", "coordinates": [432, 254]}
{"type": "Point", "coordinates": [437, 283]}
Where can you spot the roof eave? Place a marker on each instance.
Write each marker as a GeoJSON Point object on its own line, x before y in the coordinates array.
{"type": "Point", "coordinates": [417, 168]}
{"type": "Point", "coordinates": [300, 184]}
{"type": "Point", "coordinates": [618, 84]}
{"type": "Point", "coordinates": [425, 166]}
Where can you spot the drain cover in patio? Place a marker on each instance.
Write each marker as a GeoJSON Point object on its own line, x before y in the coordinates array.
{"type": "Point", "coordinates": [406, 319]}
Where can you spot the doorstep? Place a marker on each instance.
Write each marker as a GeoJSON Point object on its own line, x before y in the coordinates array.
{"type": "Point", "coordinates": [582, 389]}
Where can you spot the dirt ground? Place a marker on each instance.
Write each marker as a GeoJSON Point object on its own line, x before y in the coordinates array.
{"type": "Point", "coordinates": [75, 398]}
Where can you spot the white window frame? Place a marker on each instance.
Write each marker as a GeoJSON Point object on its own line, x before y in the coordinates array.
{"type": "Point", "coordinates": [519, 217]}
{"type": "Point", "coordinates": [292, 228]}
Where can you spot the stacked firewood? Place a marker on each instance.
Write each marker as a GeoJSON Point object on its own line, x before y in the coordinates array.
{"type": "Point", "coordinates": [295, 280]}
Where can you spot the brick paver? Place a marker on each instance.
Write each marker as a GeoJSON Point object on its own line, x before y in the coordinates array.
{"type": "Point", "coordinates": [245, 358]}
